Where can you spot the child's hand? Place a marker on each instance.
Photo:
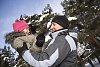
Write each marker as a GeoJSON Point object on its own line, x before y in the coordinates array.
{"type": "Point", "coordinates": [20, 50]}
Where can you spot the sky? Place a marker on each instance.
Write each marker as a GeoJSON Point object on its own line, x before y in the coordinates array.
{"type": "Point", "coordinates": [10, 10]}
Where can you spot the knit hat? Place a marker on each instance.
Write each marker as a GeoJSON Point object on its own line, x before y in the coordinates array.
{"type": "Point", "coordinates": [61, 20]}
{"type": "Point", "coordinates": [19, 25]}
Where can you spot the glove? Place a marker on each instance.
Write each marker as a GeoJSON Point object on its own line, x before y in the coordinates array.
{"type": "Point", "coordinates": [21, 50]}
{"type": "Point", "coordinates": [40, 40]}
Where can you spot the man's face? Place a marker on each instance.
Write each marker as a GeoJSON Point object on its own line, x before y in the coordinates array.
{"type": "Point", "coordinates": [55, 26]}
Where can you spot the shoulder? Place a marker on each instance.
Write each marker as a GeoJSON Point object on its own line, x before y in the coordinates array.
{"type": "Point", "coordinates": [61, 41]}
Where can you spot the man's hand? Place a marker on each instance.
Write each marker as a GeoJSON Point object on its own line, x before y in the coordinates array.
{"type": "Point", "coordinates": [40, 40]}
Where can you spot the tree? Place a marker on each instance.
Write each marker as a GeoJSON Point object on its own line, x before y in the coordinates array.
{"type": "Point", "coordinates": [7, 57]}
{"type": "Point", "coordinates": [40, 20]}
{"type": "Point", "coordinates": [87, 13]}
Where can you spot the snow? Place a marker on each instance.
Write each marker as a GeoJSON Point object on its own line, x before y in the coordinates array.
{"type": "Point", "coordinates": [41, 18]}
{"type": "Point", "coordinates": [72, 18]}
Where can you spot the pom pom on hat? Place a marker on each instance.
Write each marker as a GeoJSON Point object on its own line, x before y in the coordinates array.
{"type": "Point", "coordinates": [19, 25]}
{"type": "Point", "coordinates": [61, 20]}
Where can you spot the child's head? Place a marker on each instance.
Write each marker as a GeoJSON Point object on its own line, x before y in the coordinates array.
{"type": "Point", "coordinates": [21, 26]}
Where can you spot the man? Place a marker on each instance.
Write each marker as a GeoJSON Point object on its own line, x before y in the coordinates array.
{"type": "Point", "coordinates": [60, 51]}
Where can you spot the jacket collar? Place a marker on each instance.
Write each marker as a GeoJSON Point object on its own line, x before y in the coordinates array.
{"type": "Point", "coordinates": [59, 32]}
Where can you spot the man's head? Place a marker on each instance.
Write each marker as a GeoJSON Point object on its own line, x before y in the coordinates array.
{"type": "Point", "coordinates": [21, 26]}
{"type": "Point", "coordinates": [59, 22]}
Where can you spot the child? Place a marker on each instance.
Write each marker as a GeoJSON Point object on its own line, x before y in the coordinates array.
{"type": "Point", "coordinates": [22, 35]}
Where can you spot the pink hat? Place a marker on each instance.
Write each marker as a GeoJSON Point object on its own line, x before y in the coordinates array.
{"type": "Point", "coordinates": [19, 25]}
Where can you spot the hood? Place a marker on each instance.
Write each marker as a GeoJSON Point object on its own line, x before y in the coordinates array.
{"type": "Point", "coordinates": [9, 37]}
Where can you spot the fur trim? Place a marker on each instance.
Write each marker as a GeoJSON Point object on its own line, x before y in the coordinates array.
{"type": "Point", "coordinates": [10, 37]}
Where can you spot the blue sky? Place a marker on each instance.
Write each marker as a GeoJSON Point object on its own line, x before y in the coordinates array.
{"type": "Point", "coordinates": [12, 9]}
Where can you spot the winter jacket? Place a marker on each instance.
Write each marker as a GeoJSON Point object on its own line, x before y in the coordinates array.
{"type": "Point", "coordinates": [16, 40]}
{"type": "Point", "coordinates": [60, 52]}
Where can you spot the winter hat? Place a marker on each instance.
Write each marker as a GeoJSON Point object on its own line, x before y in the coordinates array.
{"type": "Point", "coordinates": [19, 25]}
{"type": "Point", "coordinates": [61, 20]}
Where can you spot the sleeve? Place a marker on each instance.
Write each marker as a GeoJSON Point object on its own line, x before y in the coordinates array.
{"type": "Point", "coordinates": [28, 38]}
{"type": "Point", "coordinates": [18, 42]}
{"type": "Point", "coordinates": [57, 50]}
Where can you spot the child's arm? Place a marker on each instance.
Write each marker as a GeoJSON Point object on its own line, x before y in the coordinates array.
{"type": "Point", "coordinates": [30, 41]}
{"type": "Point", "coordinates": [18, 42]}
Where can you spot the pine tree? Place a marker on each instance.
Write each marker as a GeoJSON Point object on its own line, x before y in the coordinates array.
{"type": "Point", "coordinates": [7, 57]}
{"type": "Point", "coordinates": [40, 20]}
{"type": "Point", "coordinates": [87, 13]}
